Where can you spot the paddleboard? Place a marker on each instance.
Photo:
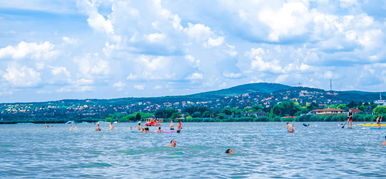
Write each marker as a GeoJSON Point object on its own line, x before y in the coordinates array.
{"type": "Point", "coordinates": [371, 125]}
{"type": "Point", "coordinates": [167, 131]}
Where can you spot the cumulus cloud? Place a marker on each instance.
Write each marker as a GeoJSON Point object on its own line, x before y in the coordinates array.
{"type": "Point", "coordinates": [44, 50]}
{"type": "Point", "coordinates": [132, 45]}
{"type": "Point", "coordinates": [120, 86]}
{"type": "Point", "coordinates": [22, 76]}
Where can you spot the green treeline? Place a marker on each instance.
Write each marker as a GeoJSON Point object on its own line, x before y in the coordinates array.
{"type": "Point", "coordinates": [284, 111]}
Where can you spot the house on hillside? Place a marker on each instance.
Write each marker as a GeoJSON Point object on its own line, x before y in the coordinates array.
{"type": "Point", "coordinates": [380, 102]}
{"type": "Point", "coordinates": [355, 111]}
{"type": "Point", "coordinates": [328, 111]}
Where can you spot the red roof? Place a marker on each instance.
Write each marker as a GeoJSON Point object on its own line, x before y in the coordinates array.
{"type": "Point", "coordinates": [328, 110]}
{"type": "Point", "coordinates": [354, 111]}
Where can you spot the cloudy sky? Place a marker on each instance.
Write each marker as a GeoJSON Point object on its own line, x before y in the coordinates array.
{"type": "Point", "coordinates": [55, 49]}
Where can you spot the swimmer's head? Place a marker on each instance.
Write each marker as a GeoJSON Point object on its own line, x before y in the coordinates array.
{"type": "Point", "coordinates": [229, 151]}
{"type": "Point", "coordinates": [159, 128]}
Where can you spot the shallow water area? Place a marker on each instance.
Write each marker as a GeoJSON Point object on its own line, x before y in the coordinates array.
{"type": "Point", "coordinates": [322, 150]}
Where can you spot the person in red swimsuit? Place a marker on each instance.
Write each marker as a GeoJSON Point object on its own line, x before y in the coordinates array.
{"type": "Point", "coordinates": [290, 128]}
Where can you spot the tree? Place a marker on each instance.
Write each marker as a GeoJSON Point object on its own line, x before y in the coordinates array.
{"type": "Point", "coordinates": [380, 110]}
{"type": "Point", "coordinates": [138, 116]}
{"type": "Point", "coordinates": [287, 108]}
{"type": "Point", "coordinates": [165, 112]}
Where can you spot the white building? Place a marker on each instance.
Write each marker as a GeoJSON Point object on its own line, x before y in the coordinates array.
{"type": "Point", "coordinates": [380, 102]}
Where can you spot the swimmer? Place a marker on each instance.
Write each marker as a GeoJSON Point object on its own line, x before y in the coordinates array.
{"type": "Point", "coordinates": [179, 126]}
{"type": "Point", "coordinates": [98, 127]}
{"type": "Point", "coordinates": [130, 128]}
{"type": "Point", "coordinates": [173, 143]}
{"type": "Point", "coordinates": [290, 128]}
{"type": "Point", "coordinates": [306, 125]}
{"type": "Point", "coordinates": [73, 127]}
{"type": "Point", "coordinates": [171, 125]}
{"type": "Point", "coordinates": [111, 127]}
{"type": "Point", "coordinates": [146, 130]}
{"type": "Point", "coordinates": [384, 142]}
{"type": "Point", "coordinates": [159, 130]}
{"type": "Point", "coordinates": [229, 151]}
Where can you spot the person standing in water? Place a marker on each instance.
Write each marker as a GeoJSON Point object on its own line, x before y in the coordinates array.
{"type": "Point", "coordinates": [179, 126]}
{"type": "Point", "coordinates": [139, 127]}
{"type": "Point", "coordinates": [290, 128]}
{"type": "Point", "coordinates": [379, 120]}
{"type": "Point", "coordinates": [349, 119]}
{"type": "Point", "coordinates": [171, 125]}
{"type": "Point", "coordinates": [173, 143]}
{"type": "Point", "coordinates": [111, 127]}
{"type": "Point", "coordinates": [98, 127]}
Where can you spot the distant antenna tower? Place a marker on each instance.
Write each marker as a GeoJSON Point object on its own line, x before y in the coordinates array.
{"type": "Point", "coordinates": [330, 84]}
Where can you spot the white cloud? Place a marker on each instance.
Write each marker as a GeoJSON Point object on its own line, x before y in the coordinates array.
{"type": "Point", "coordinates": [193, 61]}
{"type": "Point", "coordinates": [195, 76]}
{"type": "Point", "coordinates": [69, 40]}
{"type": "Point", "coordinates": [232, 75]}
{"type": "Point", "coordinates": [213, 42]}
{"type": "Point", "coordinates": [120, 86]}
{"type": "Point", "coordinates": [290, 20]}
{"type": "Point", "coordinates": [96, 20]}
{"type": "Point", "coordinates": [22, 76]}
{"type": "Point", "coordinates": [258, 63]}
{"type": "Point", "coordinates": [198, 31]}
{"type": "Point", "coordinates": [155, 37]}
{"type": "Point", "coordinates": [60, 71]}
{"type": "Point", "coordinates": [139, 87]}
{"type": "Point", "coordinates": [44, 50]}
{"type": "Point", "coordinates": [92, 64]}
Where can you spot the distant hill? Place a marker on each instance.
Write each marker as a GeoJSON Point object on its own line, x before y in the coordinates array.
{"type": "Point", "coordinates": [240, 97]}
{"type": "Point", "coordinates": [241, 89]}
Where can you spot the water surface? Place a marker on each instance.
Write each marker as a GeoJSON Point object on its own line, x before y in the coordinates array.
{"type": "Point", "coordinates": [262, 151]}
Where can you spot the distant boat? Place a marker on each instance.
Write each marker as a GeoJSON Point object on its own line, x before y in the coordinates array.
{"type": "Point", "coordinates": [70, 122]}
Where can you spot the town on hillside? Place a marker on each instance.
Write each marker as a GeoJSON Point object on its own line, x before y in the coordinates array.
{"type": "Point", "coordinates": [303, 104]}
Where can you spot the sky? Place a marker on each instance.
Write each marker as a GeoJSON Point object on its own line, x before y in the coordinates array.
{"type": "Point", "coordinates": [67, 49]}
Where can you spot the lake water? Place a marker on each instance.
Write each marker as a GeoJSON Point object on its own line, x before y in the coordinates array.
{"type": "Point", "coordinates": [321, 151]}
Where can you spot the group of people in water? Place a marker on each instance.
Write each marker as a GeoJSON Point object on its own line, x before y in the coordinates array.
{"type": "Point", "coordinates": [140, 129]}
{"type": "Point", "coordinates": [173, 143]}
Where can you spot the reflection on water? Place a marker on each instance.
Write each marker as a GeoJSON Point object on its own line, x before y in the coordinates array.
{"type": "Point", "coordinates": [262, 151]}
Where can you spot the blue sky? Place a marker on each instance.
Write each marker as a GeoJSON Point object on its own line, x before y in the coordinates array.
{"type": "Point", "coordinates": [55, 49]}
